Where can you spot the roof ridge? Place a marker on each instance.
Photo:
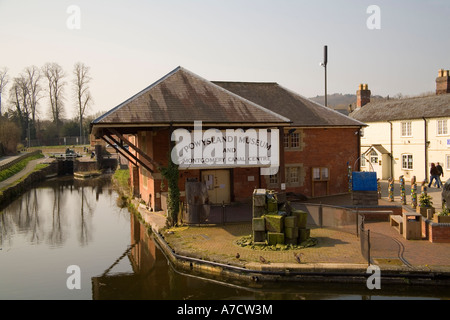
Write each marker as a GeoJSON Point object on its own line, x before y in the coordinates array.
{"type": "Point", "coordinates": [320, 105]}
{"type": "Point", "coordinates": [239, 97]}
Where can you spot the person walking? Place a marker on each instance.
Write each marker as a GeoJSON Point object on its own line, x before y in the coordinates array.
{"type": "Point", "coordinates": [441, 173]}
{"type": "Point", "coordinates": [434, 175]}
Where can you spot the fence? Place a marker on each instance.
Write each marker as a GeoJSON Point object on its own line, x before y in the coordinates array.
{"type": "Point", "coordinates": [62, 141]}
{"type": "Point", "coordinates": [373, 243]}
{"type": "Point", "coordinates": [217, 213]}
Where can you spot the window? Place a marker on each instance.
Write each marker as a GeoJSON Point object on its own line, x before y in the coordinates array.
{"type": "Point", "coordinates": [320, 174]}
{"type": "Point", "coordinates": [292, 140]}
{"type": "Point", "coordinates": [406, 129]}
{"type": "Point", "coordinates": [273, 179]}
{"type": "Point", "coordinates": [363, 160]}
{"type": "Point", "coordinates": [407, 162]}
{"type": "Point", "coordinates": [293, 175]}
{"type": "Point", "coordinates": [442, 127]}
{"type": "Point", "coordinates": [373, 157]}
{"type": "Point", "coordinates": [447, 162]}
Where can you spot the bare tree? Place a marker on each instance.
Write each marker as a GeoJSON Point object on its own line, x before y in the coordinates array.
{"type": "Point", "coordinates": [34, 76]}
{"type": "Point", "coordinates": [55, 76]}
{"type": "Point", "coordinates": [81, 91]}
{"type": "Point", "coordinates": [3, 82]}
{"type": "Point", "coordinates": [19, 97]}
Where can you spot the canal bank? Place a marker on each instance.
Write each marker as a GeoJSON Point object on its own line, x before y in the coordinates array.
{"type": "Point", "coordinates": [36, 171]}
{"type": "Point", "coordinates": [214, 251]}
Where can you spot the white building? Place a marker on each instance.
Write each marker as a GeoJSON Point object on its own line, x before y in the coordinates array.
{"type": "Point", "coordinates": [404, 136]}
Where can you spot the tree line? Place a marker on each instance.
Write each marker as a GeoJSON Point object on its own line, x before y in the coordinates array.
{"type": "Point", "coordinates": [20, 113]}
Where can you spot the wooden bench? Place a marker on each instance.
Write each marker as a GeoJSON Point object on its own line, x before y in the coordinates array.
{"type": "Point", "coordinates": [396, 221]}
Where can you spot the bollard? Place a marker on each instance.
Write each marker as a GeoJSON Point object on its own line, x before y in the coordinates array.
{"type": "Point", "coordinates": [413, 192]}
{"type": "Point", "coordinates": [391, 190]}
{"type": "Point", "coordinates": [402, 190]}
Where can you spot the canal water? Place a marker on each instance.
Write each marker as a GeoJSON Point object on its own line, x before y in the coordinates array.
{"type": "Point", "coordinates": [67, 232]}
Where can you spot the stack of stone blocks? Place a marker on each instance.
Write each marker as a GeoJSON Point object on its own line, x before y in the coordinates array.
{"type": "Point", "coordinates": [275, 222]}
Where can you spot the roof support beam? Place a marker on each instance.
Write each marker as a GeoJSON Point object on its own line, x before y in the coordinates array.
{"type": "Point", "coordinates": [128, 152]}
{"type": "Point", "coordinates": [120, 151]}
{"type": "Point", "coordinates": [141, 153]}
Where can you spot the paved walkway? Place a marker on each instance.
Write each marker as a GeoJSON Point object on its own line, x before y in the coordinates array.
{"type": "Point", "coordinates": [30, 167]}
{"type": "Point", "coordinates": [334, 249]}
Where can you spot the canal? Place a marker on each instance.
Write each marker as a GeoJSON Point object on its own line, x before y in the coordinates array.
{"type": "Point", "coordinates": [65, 222]}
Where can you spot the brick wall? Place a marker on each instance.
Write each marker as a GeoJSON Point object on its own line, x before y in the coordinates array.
{"type": "Point", "coordinates": [325, 147]}
{"type": "Point", "coordinates": [320, 147]}
{"type": "Point", "coordinates": [436, 232]}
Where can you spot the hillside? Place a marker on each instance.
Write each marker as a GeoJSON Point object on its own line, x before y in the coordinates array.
{"type": "Point", "coordinates": [340, 102]}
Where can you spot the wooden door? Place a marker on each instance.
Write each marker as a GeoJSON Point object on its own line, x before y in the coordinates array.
{"type": "Point", "coordinates": [218, 185]}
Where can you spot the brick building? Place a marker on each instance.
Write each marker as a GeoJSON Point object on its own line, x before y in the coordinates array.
{"type": "Point", "coordinates": [310, 145]}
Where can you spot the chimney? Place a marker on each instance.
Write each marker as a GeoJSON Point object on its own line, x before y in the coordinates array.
{"type": "Point", "coordinates": [443, 82]}
{"type": "Point", "coordinates": [362, 95]}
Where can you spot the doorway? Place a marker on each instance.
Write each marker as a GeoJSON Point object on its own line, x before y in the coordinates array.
{"type": "Point", "coordinates": [218, 185]}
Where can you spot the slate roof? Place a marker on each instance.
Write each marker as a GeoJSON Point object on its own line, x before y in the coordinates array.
{"type": "Point", "coordinates": [434, 106]}
{"type": "Point", "coordinates": [377, 147]}
{"type": "Point", "coordinates": [184, 97]}
{"type": "Point", "coordinates": [302, 111]}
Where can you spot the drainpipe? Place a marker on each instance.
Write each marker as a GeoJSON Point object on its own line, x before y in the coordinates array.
{"type": "Point", "coordinates": [392, 152]}
{"type": "Point", "coordinates": [426, 147]}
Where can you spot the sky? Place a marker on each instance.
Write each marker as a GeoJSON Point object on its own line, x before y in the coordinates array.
{"type": "Point", "coordinates": [128, 45]}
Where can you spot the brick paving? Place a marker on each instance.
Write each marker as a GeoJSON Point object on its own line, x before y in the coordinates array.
{"type": "Point", "coordinates": [218, 243]}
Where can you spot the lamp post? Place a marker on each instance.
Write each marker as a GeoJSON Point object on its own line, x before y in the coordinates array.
{"type": "Point", "coordinates": [324, 64]}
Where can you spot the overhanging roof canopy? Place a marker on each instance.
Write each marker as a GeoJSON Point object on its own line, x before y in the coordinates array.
{"type": "Point", "coordinates": [182, 97]}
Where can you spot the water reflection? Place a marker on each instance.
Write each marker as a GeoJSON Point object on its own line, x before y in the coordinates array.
{"type": "Point", "coordinates": [43, 214]}
{"type": "Point", "coordinates": [153, 278]}
{"type": "Point", "coordinates": [65, 221]}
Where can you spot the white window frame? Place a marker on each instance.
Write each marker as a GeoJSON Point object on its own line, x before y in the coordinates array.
{"type": "Point", "coordinates": [441, 127]}
{"type": "Point", "coordinates": [408, 156]}
{"type": "Point", "coordinates": [447, 162]}
{"type": "Point", "coordinates": [406, 129]}
{"type": "Point", "coordinates": [373, 157]}
{"type": "Point", "coordinates": [363, 160]}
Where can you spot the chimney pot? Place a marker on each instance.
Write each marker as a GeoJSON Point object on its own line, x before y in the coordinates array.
{"type": "Point", "coordinates": [362, 95]}
{"type": "Point", "coordinates": [443, 82]}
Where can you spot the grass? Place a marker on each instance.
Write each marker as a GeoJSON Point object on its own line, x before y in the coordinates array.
{"type": "Point", "coordinates": [122, 176]}
{"type": "Point", "coordinates": [5, 174]}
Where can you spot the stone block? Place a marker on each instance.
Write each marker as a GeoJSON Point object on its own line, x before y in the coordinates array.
{"type": "Point", "coordinates": [259, 224]}
{"type": "Point", "coordinates": [259, 212]}
{"type": "Point", "coordinates": [302, 217]}
{"type": "Point", "coordinates": [274, 223]}
{"type": "Point", "coordinates": [259, 236]}
{"type": "Point", "coordinates": [259, 198]}
{"type": "Point", "coordinates": [274, 238]}
{"type": "Point", "coordinates": [291, 222]}
{"type": "Point", "coordinates": [272, 207]}
{"type": "Point", "coordinates": [291, 233]}
{"type": "Point", "coordinates": [303, 234]}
